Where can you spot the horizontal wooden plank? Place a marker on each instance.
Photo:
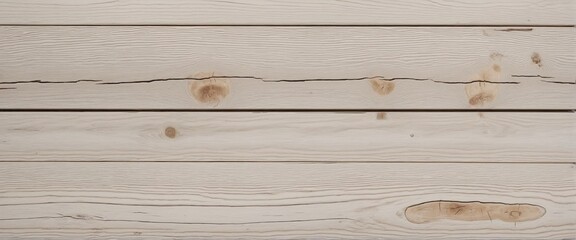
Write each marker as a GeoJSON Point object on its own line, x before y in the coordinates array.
{"type": "Point", "coordinates": [287, 68]}
{"type": "Point", "coordinates": [244, 136]}
{"type": "Point", "coordinates": [291, 12]}
{"type": "Point", "coordinates": [284, 201]}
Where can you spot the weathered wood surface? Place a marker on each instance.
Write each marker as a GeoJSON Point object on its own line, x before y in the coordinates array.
{"type": "Point", "coordinates": [284, 200]}
{"type": "Point", "coordinates": [213, 136]}
{"type": "Point", "coordinates": [146, 172]}
{"type": "Point", "coordinates": [287, 12]}
{"type": "Point", "coordinates": [287, 68]}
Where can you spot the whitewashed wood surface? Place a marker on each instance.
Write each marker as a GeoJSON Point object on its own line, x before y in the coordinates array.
{"type": "Point", "coordinates": [288, 68]}
{"type": "Point", "coordinates": [288, 12]}
{"type": "Point", "coordinates": [276, 200]}
{"type": "Point", "coordinates": [311, 137]}
{"type": "Point", "coordinates": [190, 119]}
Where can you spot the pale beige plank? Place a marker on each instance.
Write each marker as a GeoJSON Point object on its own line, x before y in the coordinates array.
{"type": "Point", "coordinates": [386, 137]}
{"type": "Point", "coordinates": [291, 12]}
{"type": "Point", "coordinates": [424, 64]}
{"type": "Point", "coordinates": [282, 200]}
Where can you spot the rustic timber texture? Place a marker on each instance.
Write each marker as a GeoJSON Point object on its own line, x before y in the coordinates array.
{"type": "Point", "coordinates": [323, 137]}
{"type": "Point", "coordinates": [287, 68]}
{"type": "Point", "coordinates": [287, 119]}
{"type": "Point", "coordinates": [278, 200]}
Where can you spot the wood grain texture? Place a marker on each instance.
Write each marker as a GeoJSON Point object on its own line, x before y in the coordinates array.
{"type": "Point", "coordinates": [146, 171]}
{"type": "Point", "coordinates": [341, 137]}
{"type": "Point", "coordinates": [291, 12]}
{"type": "Point", "coordinates": [287, 68]}
{"type": "Point", "coordinates": [275, 201]}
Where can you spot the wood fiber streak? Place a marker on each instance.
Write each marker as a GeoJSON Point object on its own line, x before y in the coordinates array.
{"type": "Point", "coordinates": [286, 68]}
{"type": "Point", "coordinates": [321, 137]}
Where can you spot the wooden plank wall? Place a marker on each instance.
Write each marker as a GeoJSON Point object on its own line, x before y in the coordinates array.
{"type": "Point", "coordinates": [288, 67]}
{"type": "Point", "coordinates": [287, 119]}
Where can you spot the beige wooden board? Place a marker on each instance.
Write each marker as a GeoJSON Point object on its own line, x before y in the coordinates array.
{"type": "Point", "coordinates": [277, 200]}
{"type": "Point", "coordinates": [287, 68]}
{"type": "Point", "coordinates": [220, 136]}
{"type": "Point", "coordinates": [291, 12]}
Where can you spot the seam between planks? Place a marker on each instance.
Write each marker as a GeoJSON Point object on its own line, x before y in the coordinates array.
{"type": "Point", "coordinates": [304, 162]}
{"type": "Point", "coordinates": [297, 25]}
{"type": "Point", "coordinates": [260, 110]}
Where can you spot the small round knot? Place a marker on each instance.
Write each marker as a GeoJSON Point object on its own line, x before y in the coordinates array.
{"type": "Point", "coordinates": [170, 132]}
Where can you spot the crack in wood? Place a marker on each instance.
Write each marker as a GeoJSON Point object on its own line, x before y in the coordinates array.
{"type": "Point", "coordinates": [101, 82]}
{"type": "Point", "coordinates": [478, 81]}
{"type": "Point", "coordinates": [100, 219]}
{"type": "Point", "coordinates": [530, 76]}
{"type": "Point", "coordinates": [51, 82]}
{"type": "Point", "coordinates": [558, 82]}
{"type": "Point", "coordinates": [543, 77]}
{"type": "Point", "coordinates": [515, 30]}
{"type": "Point", "coordinates": [180, 79]}
{"type": "Point", "coordinates": [346, 79]}
{"type": "Point", "coordinates": [188, 205]}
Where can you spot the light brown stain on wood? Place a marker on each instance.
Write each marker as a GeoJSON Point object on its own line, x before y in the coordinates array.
{"type": "Point", "coordinates": [170, 132]}
{"type": "Point", "coordinates": [496, 68]}
{"type": "Point", "coordinates": [381, 116]}
{"type": "Point", "coordinates": [381, 86]}
{"type": "Point", "coordinates": [496, 56]}
{"type": "Point", "coordinates": [481, 98]}
{"type": "Point", "coordinates": [536, 59]}
{"type": "Point", "coordinates": [472, 211]}
{"type": "Point", "coordinates": [484, 90]}
{"type": "Point", "coordinates": [209, 91]}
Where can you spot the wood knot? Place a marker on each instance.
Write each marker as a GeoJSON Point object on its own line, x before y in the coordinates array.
{"type": "Point", "coordinates": [170, 132]}
{"type": "Point", "coordinates": [536, 59]}
{"type": "Point", "coordinates": [209, 90]}
{"type": "Point", "coordinates": [483, 90]}
{"type": "Point", "coordinates": [472, 211]}
{"type": "Point", "coordinates": [381, 86]}
{"type": "Point", "coordinates": [515, 214]}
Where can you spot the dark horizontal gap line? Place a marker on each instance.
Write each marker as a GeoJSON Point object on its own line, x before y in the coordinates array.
{"type": "Point", "coordinates": [358, 110]}
{"type": "Point", "coordinates": [307, 162]}
{"type": "Point", "coordinates": [291, 25]}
